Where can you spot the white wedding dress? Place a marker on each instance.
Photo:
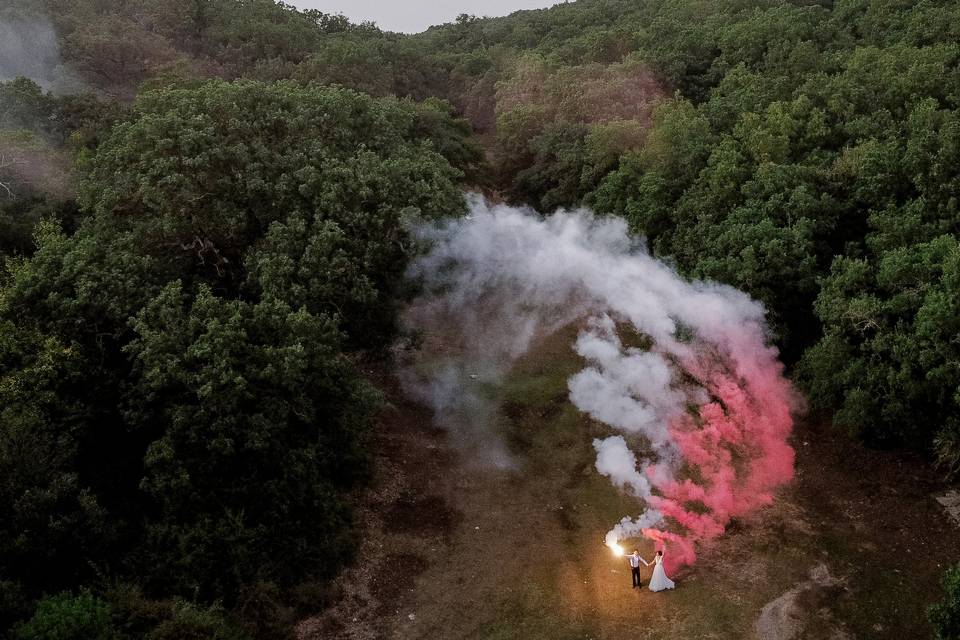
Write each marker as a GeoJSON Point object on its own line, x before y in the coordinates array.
{"type": "Point", "coordinates": [659, 580]}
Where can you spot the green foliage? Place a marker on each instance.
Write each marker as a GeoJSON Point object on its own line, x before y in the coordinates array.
{"type": "Point", "coordinates": [179, 408]}
{"type": "Point", "coordinates": [945, 615]}
{"type": "Point", "coordinates": [559, 131]}
{"type": "Point", "coordinates": [136, 616]}
{"type": "Point", "coordinates": [190, 622]}
{"type": "Point", "coordinates": [553, 178]}
{"type": "Point", "coordinates": [890, 328]}
{"type": "Point", "coordinates": [261, 422]}
{"type": "Point", "coordinates": [75, 118]}
{"type": "Point", "coordinates": [38, 133]}
{"type": "Point", "coordinates": [435, 120]}
{"type": "Point", "coordinates": [378, 64]}
{"type": "Point", "coordinates": [52, 520]}
{"type": "Point", "coordinates": [647, 183]}
{"type": "Point", "coordinates": [68, 617]}
{"type": "Point", "coordinates": [24, 105]}
{"type": "Point", "coordinates": [200, 175]}
{"type": "Point", "coordinates": [19, 217]}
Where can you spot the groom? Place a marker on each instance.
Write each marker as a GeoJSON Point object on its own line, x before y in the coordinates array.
{"type": "Point", "coordinates": [635, 561]}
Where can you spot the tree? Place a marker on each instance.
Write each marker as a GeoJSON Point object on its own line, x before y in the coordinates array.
{"type": "Point", "coordinates": [888, 342]}
{"type": "Point", "coordinates": [200, 175]}
{"type": "Point", "coordinates": [945, 615]}
{"type": "Point", "coordinates": [648, 182]}
{"type": "Point", "coordinates": [53, 522]}
{"type": "Point", "coordinates": [556, 127]}
{"type": "Point", "coordinates": [176, 372]}
{"type": "Point", "coordinates": [260, 423]}
{"type": "Point", "coordinates": [67, 617]}
{"type": "Point", "coordinates": [24, 105]}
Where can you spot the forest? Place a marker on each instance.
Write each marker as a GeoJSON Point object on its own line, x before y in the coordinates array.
{"type": "Point", "coordinates": [204, 220]}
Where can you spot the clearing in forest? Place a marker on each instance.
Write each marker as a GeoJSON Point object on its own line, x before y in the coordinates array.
{"type": "Point", "coordinates": [852, 548]}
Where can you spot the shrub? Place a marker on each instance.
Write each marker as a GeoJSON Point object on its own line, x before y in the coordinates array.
{"type": "Point", "coordinates": [68, 617]}
{"type": "Point", "coordinates": [190, 622]}
{"type": "Point", "coordinates": [945, 615]}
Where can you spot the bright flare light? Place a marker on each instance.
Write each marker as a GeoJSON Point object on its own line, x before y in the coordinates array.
{"type": "Point", "coordinates": [617, 549]}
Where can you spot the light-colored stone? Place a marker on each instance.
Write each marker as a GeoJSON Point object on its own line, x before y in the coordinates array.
{"type": "Point", "coordinates": [951, 504]}
{"type": "Point", "coordinates": [783, 619]}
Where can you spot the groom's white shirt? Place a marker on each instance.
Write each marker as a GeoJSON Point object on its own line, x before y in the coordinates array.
{"type": "Point", "coordinates": [635, 560]}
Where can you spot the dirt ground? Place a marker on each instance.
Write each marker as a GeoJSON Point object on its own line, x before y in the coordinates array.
{"type": "Point", "coordinates": [853, 548]}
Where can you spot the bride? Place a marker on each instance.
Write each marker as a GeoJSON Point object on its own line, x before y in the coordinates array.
{"type": "Point", "coordinates": [659, 580]}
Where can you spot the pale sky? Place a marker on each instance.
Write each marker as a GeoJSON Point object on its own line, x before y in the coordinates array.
{"type": "Point", "coordinates": [413, 16]}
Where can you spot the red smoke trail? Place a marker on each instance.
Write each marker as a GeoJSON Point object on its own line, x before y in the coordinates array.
{"type": "Point", "coordinates": [737, 445]}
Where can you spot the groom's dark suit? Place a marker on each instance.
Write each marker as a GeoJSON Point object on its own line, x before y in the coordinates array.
{"type": "Point", "coordinates": [634, 568]}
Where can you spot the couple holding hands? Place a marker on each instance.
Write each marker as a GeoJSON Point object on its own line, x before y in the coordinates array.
{"type": "Point", "coordinates": [659, 580]}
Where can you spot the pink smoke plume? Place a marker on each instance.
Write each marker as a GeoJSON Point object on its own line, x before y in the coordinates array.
{"type": "Point", "coordinates": [701, 414]}
{"type": "Point", "coordinates": [738, 444]}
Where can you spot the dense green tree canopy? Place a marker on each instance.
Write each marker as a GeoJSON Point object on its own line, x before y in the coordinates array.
{"type": "Point", "coordinates": [179, 407]}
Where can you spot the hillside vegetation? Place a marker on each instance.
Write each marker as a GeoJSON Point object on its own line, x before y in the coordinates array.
{"type": "Point", "coordinates": [204, 208]}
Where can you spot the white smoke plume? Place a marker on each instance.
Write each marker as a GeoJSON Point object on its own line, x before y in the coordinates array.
{"type": "Point", "coordinates": [632, 390]}
{"type": "Point", "coordinates": [29, 48]}
{"type": "Point", "coordinates": [630, 528]}
{"type": "Point", "coordinates": [702, 390]}
{"type": "Point", "coordinates": [616, 461]}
